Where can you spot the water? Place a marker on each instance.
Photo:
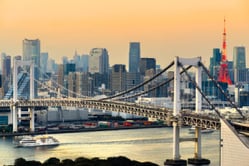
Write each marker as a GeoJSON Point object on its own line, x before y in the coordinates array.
{"type": "Point", "coordinates": [154, 145]}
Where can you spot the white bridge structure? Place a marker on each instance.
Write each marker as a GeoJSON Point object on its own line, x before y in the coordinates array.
{"type": "Point", "coordinates": [176, 117]}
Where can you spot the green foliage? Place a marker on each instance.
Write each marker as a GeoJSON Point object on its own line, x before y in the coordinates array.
{"type": "Point", "coordinates": [81, 161]}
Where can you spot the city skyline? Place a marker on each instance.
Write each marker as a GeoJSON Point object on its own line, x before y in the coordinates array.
{"type": "Point", "coordinates": [164, 29]}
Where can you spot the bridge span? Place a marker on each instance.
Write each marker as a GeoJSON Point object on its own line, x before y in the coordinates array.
{"type": "Point", "coordinates": [176, 117]}
{"type": "Point", "coordinates": [185, 117]}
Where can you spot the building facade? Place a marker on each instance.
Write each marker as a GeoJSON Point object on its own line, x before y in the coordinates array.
{"type": "Point", "coordinates": [239, 64]}
{"type": "Point", "coordinates": [215, 62]}
{"type": "Point", "coordinates": [80, 84]}
{"type": "Point", "coordinates": [147, 64]}
{"type": "Point", "coordinates": [134, 57]}
{"type": "Point", "coordinates": [31, 51]}
{"type": "Point", "coordinates": [118, 78]}
{"type": "Point", "coordinates": [44, 64]}
{"type": "Point", "coordinates": [98, 61]}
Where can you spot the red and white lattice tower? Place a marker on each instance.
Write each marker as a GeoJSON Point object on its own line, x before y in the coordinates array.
{"type": "Point", "coordinates": [223, 72]}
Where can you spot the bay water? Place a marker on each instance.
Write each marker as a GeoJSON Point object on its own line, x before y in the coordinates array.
{"type": "Point", "coordinates": [150, 144]}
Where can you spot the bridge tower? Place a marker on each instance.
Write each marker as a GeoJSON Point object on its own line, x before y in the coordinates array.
{"type": "Point", "coordinates": [20, 63]}
{"type": "Point", "coordinates": [176, 112]}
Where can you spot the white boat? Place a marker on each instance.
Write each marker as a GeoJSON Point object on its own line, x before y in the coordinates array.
{"type": "Point", "coordinates": [29, 141]}
{"type": "Point", "coordinates": [203, 130]}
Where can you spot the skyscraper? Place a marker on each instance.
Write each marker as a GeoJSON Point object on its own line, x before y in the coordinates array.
{"type": "Point", "coordinates": [7, 66]}
{"type": "Point", "coordinates": [99, 67]}
{"type": "Point", "coordinates": [239, 64]}
{"type": "Point", "coordinates": [134, 57]}
{"type": "Point", "coordinates": [44, 64]}
{"type": "Point", "coordinates": [215, 62]}
{"type": "Point", "coordinates": [146, 64]}
{"type": "Point", "coordinates": [85, 62]}
{"type": "Point", "coordinates": [118, 78]}
{"type": "Point", "coordinates": [98, 61]}
{"type": "Point", "coordinates": [239, 58]}
{"type": "Point", "coordinates": [31, 51]}
{"type": "Point", "coordinates": [79, 84]}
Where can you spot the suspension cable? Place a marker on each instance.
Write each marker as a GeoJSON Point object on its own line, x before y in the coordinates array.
{"type": "Point", "coordinates": [222, 91]}
{"type": "Point", "coordinates": [200, 91]}
{"type": "Point", "coordinates": [140, 85]}
{"type": "Point", "coordinates": [60, 86]}
{"type": "Point", "coordinates": [153, 88]}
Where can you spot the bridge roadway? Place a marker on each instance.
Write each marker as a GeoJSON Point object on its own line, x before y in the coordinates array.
{"type": "Point", "coordinates": [189, 118]}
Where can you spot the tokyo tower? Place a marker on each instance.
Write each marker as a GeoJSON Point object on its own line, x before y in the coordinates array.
{"type": "Point", "coordinates": [223, 72]}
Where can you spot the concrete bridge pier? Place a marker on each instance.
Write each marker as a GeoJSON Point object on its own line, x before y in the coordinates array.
{"type": "Point", "coordinates": [177, 161]}
{"type": "Point", "coordinates": [14, 118]}
{"type": "Point", "coordinates": [32, 119]}
{"type": "Point", "coordinates": [19, 115]}
{"type": "Point", "coordinates": [18, 63]}
{"type": "Point", "coordinates": [198, 160]}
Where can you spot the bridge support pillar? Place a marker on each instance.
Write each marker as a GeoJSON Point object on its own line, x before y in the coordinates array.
{"type": "Point", "coordinates": [19, 115]}
{"type": "Point", "coordinates": [176, 128]}
{"type": "Point", "coordinates": [14, 118]}
{"type": "Point", "coordinates": [176, 161]}
{"type": "Point", "coordinates": [198, 160]}
{"type": "Point", "coordinates": [32, 119]}
{"type": "Point", "coordinates": [61, 115]}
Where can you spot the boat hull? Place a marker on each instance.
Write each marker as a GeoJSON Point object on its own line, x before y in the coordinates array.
{"type": "Point", "coordinates": [37, 142]}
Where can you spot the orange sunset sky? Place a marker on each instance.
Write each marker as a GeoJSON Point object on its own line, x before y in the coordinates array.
{"type": "Point", "coordinates": [165, 28]}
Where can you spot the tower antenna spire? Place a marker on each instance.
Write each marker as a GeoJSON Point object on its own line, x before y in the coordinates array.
{"type": "Point", "coordinates": [224, 45]}
{"type": "Point", "coordinates": [223, 72]}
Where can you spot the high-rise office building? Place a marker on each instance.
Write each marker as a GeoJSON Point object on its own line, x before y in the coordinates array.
{"type": "Point", "coordinates": [80, 84]}
{"type": "Point", "coordinates": [69, 67]}
{"type": "Point", "coordinates": [118, 78]}
{"type": "Point", "coordinates": [133, 79]}
{"type": "Point", "coordinates": [239, 64]}
{"type": "Point", "coordinates": [239, 58]}
{"type": "Point", "coordinates": [147, 64]}
{"type": "Point", "coordinates": [99, 67]}
{"type": "Point", "coordinates": [134, 57]}
{"type": "Point", "coordinates": [31, 51]}
{"type": "Point", "coordinates": [44, 64]}
{"type": "Point", "coordinates": [7, 67]}
{"type": "Point", "coordinates": [215, 62]}
{"type": "Point", "coordinates": [50, 66]}
{"type": "Point", "coordinates": [85, 62]}
{"type": "Point", "coordinates": [6, 72]}
{"type": "Point", "coordinates": [98, 61]}
{"type": "Point", "coordinates": [76, 61]}
{"type": "Point", "coordinates": [64, 60]}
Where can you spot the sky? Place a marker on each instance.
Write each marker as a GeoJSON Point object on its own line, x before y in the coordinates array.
{"type": "Point", "coordinates": [165, 28]}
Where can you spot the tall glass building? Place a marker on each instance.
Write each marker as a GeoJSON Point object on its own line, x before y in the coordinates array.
{"type": "Point", "coordinates": [215, 62]}
{"type": "Point", "coordinates": [239, 64]}
{"type": "Point", "coordinates": [146, 64]}
{"type": "Point", "coordinates": [31, 51]}
{"type": "Point", "coordinates": [99, 67]}
{"type": "Point", "coordinates": [239, 58]}
{"type": "Point", "coordinates": [134, 57]}
{"type": "Point", "coordinates": [98, 61]}
{"type": "Point", "coordinates": [44, 64]}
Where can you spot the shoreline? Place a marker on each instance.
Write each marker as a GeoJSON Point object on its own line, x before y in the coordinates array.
{"type": "Point", "coordinates": [79, 130]}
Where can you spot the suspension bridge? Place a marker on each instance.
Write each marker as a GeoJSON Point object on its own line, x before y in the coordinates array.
{"type": "Point", "coordinates": [175, 117]}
